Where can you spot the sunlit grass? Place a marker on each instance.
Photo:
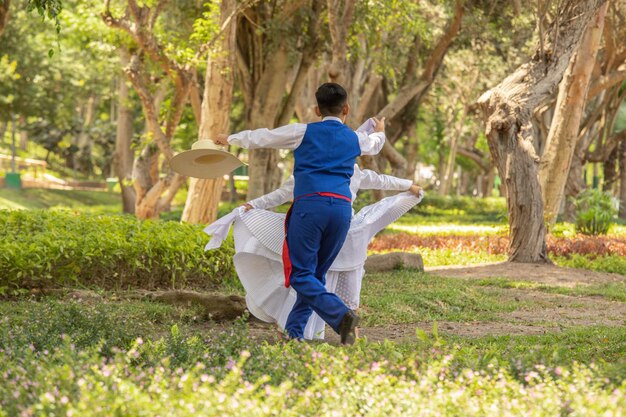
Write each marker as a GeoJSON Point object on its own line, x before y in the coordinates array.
{"type": "Point", "coordinates": [410, 297]}
{"type": "Point", "coordinates": [450, 229]}
{"type": "Point", "coordinates": [79, 200]}
{"type": "Point", "coordinates": [611, 290]}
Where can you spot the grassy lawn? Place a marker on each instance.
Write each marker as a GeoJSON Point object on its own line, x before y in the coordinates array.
{"type": "Point", "coordinates": [83, 201]}
{"type": "Point", "coordinates": [410, 297]}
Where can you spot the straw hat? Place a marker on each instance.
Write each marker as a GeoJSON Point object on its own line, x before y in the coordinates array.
{"type": "Point", "coordinates": [204, 160]}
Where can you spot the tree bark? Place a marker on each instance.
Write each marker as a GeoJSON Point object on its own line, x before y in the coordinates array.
{"type": "Point", "coordinates": [123, 159]}
{"type": "Point", "coordinates": [507, 111]}
{"type": "Point", "coordinates": [340, 13]}
{"type": "Point", "coordinates": [563, 134]}
{"type": "Point", "coordinates": [204, 194]}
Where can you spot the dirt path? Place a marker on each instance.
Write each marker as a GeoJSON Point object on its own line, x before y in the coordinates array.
{"type": "Point", "coordinates": [540, 273]}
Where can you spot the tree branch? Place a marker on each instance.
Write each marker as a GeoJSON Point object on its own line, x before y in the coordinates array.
{"type": "Point", "coordinates": [418, 88]}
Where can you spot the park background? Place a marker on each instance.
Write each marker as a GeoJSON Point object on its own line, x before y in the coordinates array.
{"type": "Point", "coordinates": [510, 113]}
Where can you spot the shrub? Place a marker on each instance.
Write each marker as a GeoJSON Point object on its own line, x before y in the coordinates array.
{"type": "Point", "coordinates": [48, 249]}
{"type": "Point", "coordinates": [594, 212]}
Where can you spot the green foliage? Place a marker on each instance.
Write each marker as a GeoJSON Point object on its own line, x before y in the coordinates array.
{"type": "Point", "coordinates": [57, 249]}
{"type": "Point", "coordinates": [608, 263]}
{"type": "Point", "coordinates": [462, 209]}
{"type": "Point", "coordinates": [47, 9]}
{"type": "Point", "coordinates": [109, 325]}
{"type": "Point", "coordinates": [594, 212]}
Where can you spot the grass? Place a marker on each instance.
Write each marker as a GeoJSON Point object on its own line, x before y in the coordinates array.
{"type": "Point", "coordinates": [615, 291]}
{"type": "Point", "coordinates": [610, 263]}
{"type": "Point", "coordinates": [410, 297]}
{"type": "Point", "coordinates": [83, 201]}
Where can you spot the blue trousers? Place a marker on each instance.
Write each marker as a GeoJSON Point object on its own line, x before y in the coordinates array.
{"type": "Point", "coordinates": [316, 231]}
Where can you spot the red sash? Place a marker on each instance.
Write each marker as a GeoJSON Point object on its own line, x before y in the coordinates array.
{"type": "Point", "coordinates": [286, 259]}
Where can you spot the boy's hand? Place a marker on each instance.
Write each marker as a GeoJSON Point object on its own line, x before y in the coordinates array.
{"type": "Point", "coordinates": [379, 124]}
{"type": "Point", "coordinates": [247, 206]}
{"type": "Point", "coordinates": [221, 139]}
{"type": "Point", "coordinates": [415, 189]}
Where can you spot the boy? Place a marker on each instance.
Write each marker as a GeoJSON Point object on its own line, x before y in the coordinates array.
{"type": "Point", "coordinates": [319, 218]}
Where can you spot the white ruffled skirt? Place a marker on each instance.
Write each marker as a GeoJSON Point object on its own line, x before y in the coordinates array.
{"type": "Point", "coordinates": [259, 236]}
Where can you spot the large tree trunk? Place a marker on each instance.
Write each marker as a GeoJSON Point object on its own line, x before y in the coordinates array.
{"type": "Point", "coordinates": [264, 110]}
{"type": "Point", "coordinates": [123, 159]}
{"type": "Point", "coordinates": [204, 195]}
{"type": "Point", "coordinates": [340, 13]}
{"type": "Point", "coordinates": [268, 82]}
{"type": "Point", "coordinates": [507, 111]}
{"type": "Point", "coordinates": [561, 141]}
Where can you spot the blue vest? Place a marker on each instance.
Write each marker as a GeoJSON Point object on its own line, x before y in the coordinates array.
{"type": "Point", "coordinates": [324, 161]}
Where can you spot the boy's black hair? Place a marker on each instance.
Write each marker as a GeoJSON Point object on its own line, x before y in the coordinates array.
{"type": "Point", "coordinates": [331, 98]}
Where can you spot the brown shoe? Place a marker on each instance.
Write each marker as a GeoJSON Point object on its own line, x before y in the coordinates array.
{"type": "Point", "coordinates": [347, 326]}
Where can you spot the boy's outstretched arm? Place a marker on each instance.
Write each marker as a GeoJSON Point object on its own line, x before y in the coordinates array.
{"type": "Point", "coordinates": [284, 137]}
{"type": "Point", "coordinates": [372, 143]}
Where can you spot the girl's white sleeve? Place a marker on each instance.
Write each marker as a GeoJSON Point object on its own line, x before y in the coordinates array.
{"type": "Point", "coordinates": [276, 197]}
{"type": "Point", "coordinates": [371, 180]}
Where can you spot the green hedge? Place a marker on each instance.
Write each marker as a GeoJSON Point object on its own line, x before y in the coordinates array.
{"type": "Point", "coordinates": [52, 249]}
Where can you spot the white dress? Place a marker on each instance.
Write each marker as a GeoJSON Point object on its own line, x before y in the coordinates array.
{"type": "Point", "coordinates": [259, 236]}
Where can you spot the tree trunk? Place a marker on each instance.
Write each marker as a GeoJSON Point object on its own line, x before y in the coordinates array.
{"type": "Point", "coordinates": [123, 159]}
{"type": "Point", "coordinates": [3, 129]}
{"type": "Point", "coordinates": [340, 13]}
{"type": "Point", "coordinates": [23, 134]}
{"type": "Point", "coordinates": [263, 163]}
{"type": "Point", "coordinates": [82, 158]}
{"type": "Point", "coordinates": [507, 111]}
{"type": "Point", "coordinates": [4, 14]}
{"type": "Point", "coordinates": [204, 194]}
{"type": "Point", "coordinates": [446, 180]}
{"type": "Point", "coordinates": [563, 134]}
{"type": "Point", "coordinates": [609, 170]}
